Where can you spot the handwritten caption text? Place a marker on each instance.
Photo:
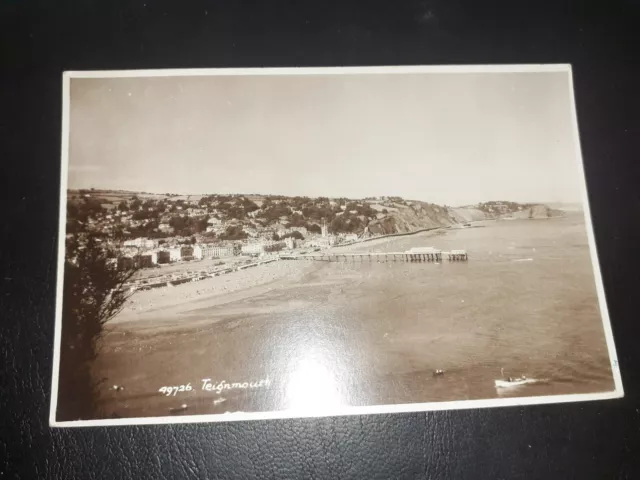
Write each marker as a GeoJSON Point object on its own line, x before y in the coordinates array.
{"type": "Point", "coordinates": [208, 385]}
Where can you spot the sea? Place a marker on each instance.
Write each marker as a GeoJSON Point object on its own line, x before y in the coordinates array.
{"type": "Point", "coordinates": [370, 332]}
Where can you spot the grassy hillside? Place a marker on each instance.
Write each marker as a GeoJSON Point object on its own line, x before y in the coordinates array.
{"type": "Point", "coordinates": [383, 215]}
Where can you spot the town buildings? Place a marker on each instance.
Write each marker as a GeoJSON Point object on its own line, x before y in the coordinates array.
{"type": "Point", "coordinates": [163, 257]}
{"type": "Point", "coordinates": [186, 252]}
{"type": "Point", "coordinates": [204, 251]}
{"type": "Point", "coordinates": [175, 254]}
{"type": "Point", "coordinates": [258, 248]}
{"type": "Point", "coordinates": [148, 259]}
{"type": "Point", "coordinates": [323, 242]}
{"type": "Point", "coordinates": [141, 243]}
{"type": "Point", "coordinates": [159, 243]}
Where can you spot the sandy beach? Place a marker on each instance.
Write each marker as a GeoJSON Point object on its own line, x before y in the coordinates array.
{"type": "Point", "coordinates": [160, 307]}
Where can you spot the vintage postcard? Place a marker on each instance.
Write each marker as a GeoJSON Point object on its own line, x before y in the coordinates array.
{"type": "Point", "coordinates": [270, 243]}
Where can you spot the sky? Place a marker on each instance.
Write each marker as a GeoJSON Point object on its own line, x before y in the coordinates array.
{"type": "Point", "coordinates": [446, 138]}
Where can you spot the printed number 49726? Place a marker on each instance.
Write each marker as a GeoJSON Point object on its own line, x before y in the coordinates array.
{"type": "Point", "coordinates": [174, 390]}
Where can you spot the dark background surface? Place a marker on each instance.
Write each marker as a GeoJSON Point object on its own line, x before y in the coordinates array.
{"type": "Point", "coordinates": [39, 40]}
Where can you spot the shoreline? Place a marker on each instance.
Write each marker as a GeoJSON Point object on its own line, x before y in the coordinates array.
{"type": "Point", "coordinates": [240, 336]}
{"type": "Point", "coordinates": [383, 239]}
{"type": "Point", "coordinates": [165, 306]}
{"type": "Point", "coordinates": [169, 307]}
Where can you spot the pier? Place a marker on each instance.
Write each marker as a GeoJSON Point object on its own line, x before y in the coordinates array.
{"type": "Point", "coordinates": [434, 256]}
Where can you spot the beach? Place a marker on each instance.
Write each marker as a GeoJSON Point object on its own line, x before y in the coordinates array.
{"type": "Point", "coordinates": [160, 308]}
{"type": "Point", "coordinates": [368, 333]}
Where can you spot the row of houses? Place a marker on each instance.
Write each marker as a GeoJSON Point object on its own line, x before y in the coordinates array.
{"type": "Point", "coordinates": [159, 256]}
{"type": "Point", "coordinates": [205, 251]}
{"type": "Point", "coordinates": [141, 243]}
{"type": "Point", "coordinates": [184, 252]}
{"type": "Point", "coordinates": [267, 246]}
{"type": "Point", "coordinates": [215, 250]}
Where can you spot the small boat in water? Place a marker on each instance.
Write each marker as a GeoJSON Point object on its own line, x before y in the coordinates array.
{"type": "Point", "coordinates": [513, 382]}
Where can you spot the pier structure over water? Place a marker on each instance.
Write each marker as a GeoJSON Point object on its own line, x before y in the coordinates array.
{"type": "Point", "coordinates": [409, 256]}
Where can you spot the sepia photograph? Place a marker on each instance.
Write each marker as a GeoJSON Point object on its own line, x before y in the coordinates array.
{"type": "Point", "coordinates": [240, 244]}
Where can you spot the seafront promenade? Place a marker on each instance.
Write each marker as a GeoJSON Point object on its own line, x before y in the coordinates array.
{"type": "Point", "coordinates": [320, 254]}
{"type": "Point", "coordinates": [178, 279]}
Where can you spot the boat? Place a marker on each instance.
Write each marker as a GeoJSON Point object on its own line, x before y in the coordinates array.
{"type": "Point", "coordinates": [512, 382]}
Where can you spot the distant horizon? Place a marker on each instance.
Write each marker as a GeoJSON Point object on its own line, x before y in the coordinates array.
{"type": "Point", "coordinates": [258, 194]}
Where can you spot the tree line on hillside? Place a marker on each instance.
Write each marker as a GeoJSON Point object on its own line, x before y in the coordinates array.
{"type": "Point", "coordinates": [503, 206]}
{"type": "Point", "coordinates": [342, 215]}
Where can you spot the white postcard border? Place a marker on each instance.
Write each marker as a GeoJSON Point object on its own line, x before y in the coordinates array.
{"type": "Point", "coordinates": [595, 260]}
{"type": "Point", "coordinates": [618, 392]}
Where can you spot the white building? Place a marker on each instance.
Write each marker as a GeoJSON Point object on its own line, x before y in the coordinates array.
{"type": "Point", "coordinates": [351, 237]}
{"type": "Point", "coordinates": [323, 242]}
{"type": "Point", "coordinates": [141, 243]}
{"type": "Point", "coordinates": [202, 251]}
{"type": "Point", "coordinates": [214, 221]}
{"type": "Point", "coordinates": [260, 247]}
{"type": "Point", "coordinates": [290, 242]}
{"type": "Point", "coordinates": [175, 254]}
{"type": "Point", "coordinates": [154, 256]}
{"type": "Point", "coordinates": [253, 248]}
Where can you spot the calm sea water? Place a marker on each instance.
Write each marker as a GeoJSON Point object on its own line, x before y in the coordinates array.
{"type": "Point", "coordinates": [373, 333]}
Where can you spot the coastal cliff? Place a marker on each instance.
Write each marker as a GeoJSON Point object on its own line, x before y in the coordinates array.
{"type": "Point", "coordinates": [232, 218]}
{"type": "Point", "coordinates": [411, 216]}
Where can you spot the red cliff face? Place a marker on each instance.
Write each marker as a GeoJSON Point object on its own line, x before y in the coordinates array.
{"type": "Point", "coordinates": [408, 218]}
{"type": "Point", "coordinates": [419, 215]}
